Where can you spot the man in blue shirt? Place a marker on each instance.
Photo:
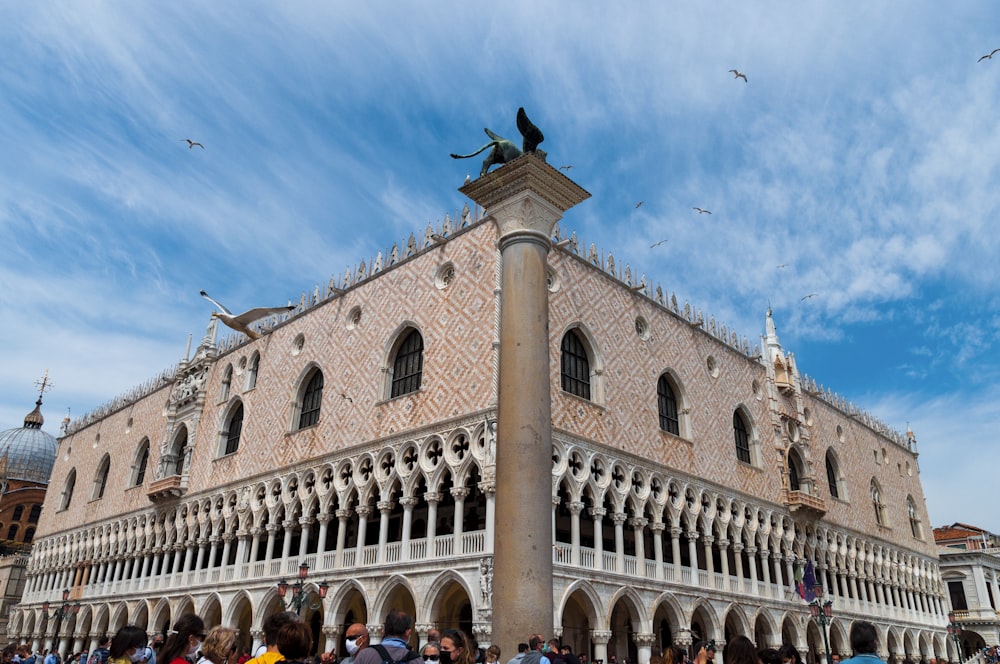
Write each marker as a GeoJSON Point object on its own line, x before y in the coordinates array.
{"type": "Point", "coordinates": [864, 642]}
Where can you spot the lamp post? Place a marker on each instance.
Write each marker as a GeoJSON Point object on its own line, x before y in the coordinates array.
{"type": "Point", "coordinates": [65, 610]}
{"type": "Point", "coordinates": [822, 612]}
{"type": "Point", "coordinates": [955, 632]}
{"type": "Point", "coordinates": [298, 590]}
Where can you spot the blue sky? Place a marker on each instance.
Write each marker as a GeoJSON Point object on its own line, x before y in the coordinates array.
{"type": "Point", "coordinates": [862, 152]}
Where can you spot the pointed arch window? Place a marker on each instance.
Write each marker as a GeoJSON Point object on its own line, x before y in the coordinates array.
{"type": "Point", "coordinates": [877, 504]}
{"type": "Point", "coordinates": [667, 406]}
{"type": "Point", "coordinates": [408, 365]}
{"type": "Point", "coordinates": [741, 434]}
{"type": "Point", "coordinates": [180, 452]}
{"type": "Point", "coordinates": [252, 368]}
{"type": "Point", "coordinates": [67, 494]}
{"type": "Point", "coordinates": [312, 400]}
{"type": "Point", "coordinates": [916, 527]}
{"type": "Point", "coordinates": [227, 383]}
{"type": "Point", "coordinates": [101, 478]}
{"type": "Point", "coordinates": [141, 462]}
{"type": "Point", "coordinates": [575, 365]}
{"type": "Point", "coordinates": [233, 430]}
{"type": "Point", "coordinates": [831, 476]}
{"type": "Point", "coordinates": [794, 470]}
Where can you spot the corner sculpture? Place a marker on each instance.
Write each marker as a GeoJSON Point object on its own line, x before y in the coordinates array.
{"type": "Point", "coordinates": [502, 150]}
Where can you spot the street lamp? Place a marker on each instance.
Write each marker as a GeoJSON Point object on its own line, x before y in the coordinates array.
{"type": "Point", "coordinates": [955, 632]}
{"type": "Point", "coordinates": [65, 610]}
{"type": "Point", "coordinates": [298, 590]}
{"type": "Point", "coordinates": [822, 612]}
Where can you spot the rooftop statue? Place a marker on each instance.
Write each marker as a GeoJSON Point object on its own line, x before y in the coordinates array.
{"type": "Point", "coordinates": [501, 150]}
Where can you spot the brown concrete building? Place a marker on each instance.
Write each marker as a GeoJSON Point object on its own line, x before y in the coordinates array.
{"type": "Point", "coordinates": [693, 472]}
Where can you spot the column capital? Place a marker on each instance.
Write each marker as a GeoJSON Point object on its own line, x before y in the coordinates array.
{"type": "Point", "coordinates": [575, 507]}
{"type": "Point", "coordinates": [597, 512]}
{"type": "Point", "coordinates": [657, 526]}
{"type": "Point", "coordinates": [409, 502]}
{"type": "Point", "coordinates": [600, 636]}
{"type": "Point", "coordinates": [724, 544]}
{"type": "Point", "coordinates": [459, 492]}
{"type": "Point", "coordinates": [432, 497]}
{"type": "Point", "coordinates": [618, 518]}
{"type": "Point", "coordinates": [638, 522]}
{"type": "Point", "coordinates": [363, 511]}
{"type": "Point", "coordinates": [644, 640]}
{"type": "Point", "coordinates": [343, 515]}
{"type": "Point", "coordinates": [385, 506]}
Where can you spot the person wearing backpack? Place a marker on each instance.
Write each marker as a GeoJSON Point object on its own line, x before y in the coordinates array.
{"type": "Point", "coordinates": [102, 652]}
{"type": "Point", "coordinates": [394, 648]}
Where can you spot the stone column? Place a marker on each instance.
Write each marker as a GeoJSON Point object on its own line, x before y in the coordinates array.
{"type": "Point", "coordinates": [600, 638]}
{"type": "Point", "coordinates": [724, 563]}
{"type": "Point", "coordinates": [692, 537]}
{"type": "Point", "coordinates": [675, 551]}
{"type": "Point", "coordinates": [638, 525]}
{"type": "Point", "coordinates": [305, 528]}
{"type": "Point", "coordinates": [408, 503]}
{"type": "Point", "coordinates": [255, 533]}
{"type": "Point", "coordinates": [286, 544]}
{"type": "Point", "coordinates": [272, 529]}
{"type": "Point", "coordinates": [644, 645]}
{"type": "Point", "coordinates": [658, 527]}
{"type": "Point", "coordinates": [619, 518]}
{"type": "Point", "coordinates": [324, 526]}
{"type": "Point", "coordinates": [363, 512]}
{"type": "Point", "coordinates": [707, 542]}
{"type": "Point", "coordinates": [342, 516]}
{"type": "Point", "coordinates": [598, 515]}
{"type": "Point", "coordinates": [384, 510]}
{"type": "Point", "coordinates": [459, 493]}
{"type": "Point", "coordinates": [575, 508]}
{"type": "Point", "coordinates": [526, 198]}
{"type": "Point", "coordinates": [489, 487]}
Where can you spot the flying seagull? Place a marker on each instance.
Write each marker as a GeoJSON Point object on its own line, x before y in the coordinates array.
{"type": "Point", "coordinates": [638, 205]}
{"type": "Point", "coordinates": [565, 168]}
{"type": "Point", "coordinates": [806, 297]}
{"type": "Point", "coordinates": [657, 244]}
{"type": "Point", "coordinates": [738, 74]}
{"type": "Point", "coordinates": [242, 322]}
{"type": "Point", "coordinates": [988, 56]}
{"type": "Point", "coordinates": [701, 210]}
{"type": "Point", "coordinates": [191, 143]}
{"type": "Point", "coordinates": [778, 267]}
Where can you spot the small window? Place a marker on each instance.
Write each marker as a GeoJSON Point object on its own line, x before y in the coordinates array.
{"type": "Point", "coordinates": [12, 531]}
{"type": "Point", "coordinates": [877, 504]}
{"type": "Point", "coordinates": [233, 430]}
{"type": "Point", "coordinates": [742, 435]}
{"type": "Point", "coordinates": [916, 527]}
{"type": "Point", "coordinates": [312, 399]}
{"type": "Point", "coordinates": [575, 365]}
{"type": "Point", "coordinates": [227, 384]}
{"type": "Point", "coordinates": [667, 405]}
{"type": "Point", "coordinates": [407, 367]}
{"type": "Point", "coordinates": [67, 495]}
{"type": "Point", "coordinates": [18, 513]}
{"type": "Point", "coordinates": [142, 461]}
{"type": "Point", "coordinates": [101, 478]}
{"type": "Point", "coordinates": [36, 511]}
{"type": "Point", "coordinates": [252, 368]}
{"type": "Point", "coordinates": [831, 476]}
{"type": "Point", "coordinates": [29, 535]}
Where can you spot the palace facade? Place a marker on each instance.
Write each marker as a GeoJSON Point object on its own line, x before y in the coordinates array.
{"type": "Point", "coordinates": [693, 474]}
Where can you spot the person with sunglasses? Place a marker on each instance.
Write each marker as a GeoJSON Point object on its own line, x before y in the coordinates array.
{"type": "Point", "coordinates": [431, 653]}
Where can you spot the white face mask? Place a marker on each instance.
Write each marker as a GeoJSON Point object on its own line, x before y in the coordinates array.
{"type": "Point", "coordinates": [352, 646]}
{"type": "Point", "coordinates": [194, 648]}
{"type": "Point", "coordinates": [138, 655]}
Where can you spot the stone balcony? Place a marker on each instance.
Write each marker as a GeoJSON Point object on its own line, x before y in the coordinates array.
{"type": "Point", "coordinates": [165, 489]}
{"type": "Point", "coordinates": [801, 503]}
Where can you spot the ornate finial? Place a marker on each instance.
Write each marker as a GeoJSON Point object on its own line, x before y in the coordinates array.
{"type": "Point", "coordinates": [43, 385]}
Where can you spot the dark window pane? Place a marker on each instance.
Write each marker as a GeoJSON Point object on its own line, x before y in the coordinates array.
{"type": "Point", "coordinates": [235, 428]}
{"type": "Point", "coordinates": [408, 365]}
{"type": "Point", "coordinates": [575, 366]}
{"type": "Point", "coordinates": [312, 399]}
{"type": "Point", "coordinates": [667, 404]}
{"type": "Point", "coordinates": [742, 439]}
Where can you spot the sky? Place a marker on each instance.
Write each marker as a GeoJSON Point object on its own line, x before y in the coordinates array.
{"type": "Point", "coordinates": [858, 161]}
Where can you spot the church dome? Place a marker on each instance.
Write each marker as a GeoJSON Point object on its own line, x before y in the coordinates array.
{"type": "Point", "coordinates": [28, 453]}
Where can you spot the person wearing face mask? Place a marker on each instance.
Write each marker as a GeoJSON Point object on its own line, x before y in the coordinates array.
{"type": "Point", "coordinates": [455, 648]}
{"type": "Point", "coordinates": [355, 640]}
{"type": "Point", "coordinates": [394, 648]}
{"type": "Point", "coordinates": [430, 653]}
{"type": "Point", "coordinates": [183, 643]}
{"type": "Point", "coordinates": [126, 644]}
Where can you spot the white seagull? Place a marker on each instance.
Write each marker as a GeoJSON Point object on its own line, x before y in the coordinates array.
{"type": "Point", "coordinates": [242, 322]}
{"type": "Point", "coordinates": [191, 143]}
{"type": "Point", "coordinates": [701, 210]}
{"type": "Point", "coordinates": [738, 74]}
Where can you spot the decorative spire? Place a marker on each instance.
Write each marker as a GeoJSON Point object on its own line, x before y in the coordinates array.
{"type": "Point", "coordinates": [34, 419]}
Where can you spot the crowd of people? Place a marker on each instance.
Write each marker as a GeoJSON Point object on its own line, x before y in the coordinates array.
{"type": "Point", "coordinates": [289, 640]}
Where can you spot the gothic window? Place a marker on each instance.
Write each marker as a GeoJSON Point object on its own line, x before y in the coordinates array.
{"type": "Point", "coordinates": [831, 475]}
{"type": "Point", "coordinates": [36, 511]}
{"type": "Point", "coordinates": [67, 494]}
{"type": "Point", "coordinates": [794, 470]}
{"type": "Point", "coordinates": [227, 383]}
{"type": "Point", "coordinates": [667, 406]}
{"type": "Point", "coordinates": [741, 433]}
{"type": "Point", "coordinates": [407, 366]}
{"type": "Point", "coordinates": [877, 504]}
{"type": "Point", "coordinates": [101, 478]}
{"type": "Point", "coordinates": [253, 366]}
{"type": "Point", "coordinates": [575, 365]}
{"type": "Point", "coordinates": [312, 399]}
{"type": "Point", "coordinates": [18, 513]}
{"type": "Point", "coordinates": [180, 451]}
{"type": "Point", "coordinates": [915, 525]}
{"type": "Point", "coordinates": [233, 430]}
{"type": "Point", "coordinates": [141, 462]}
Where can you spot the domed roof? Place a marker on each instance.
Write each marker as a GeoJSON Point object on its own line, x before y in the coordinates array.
{"type": "Point", "coordinates": [28, 453]}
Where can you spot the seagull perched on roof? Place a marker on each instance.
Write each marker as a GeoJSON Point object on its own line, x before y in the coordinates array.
{"type": "Point", "coordinates": [988, 56]}
{"type": "Point", "coordinates": [701, 210]}
{"type": "Point", "coordinates": [242, 322]}
{"type": "Point", "coordinates": [191, 143]}
{"type": "Point", "coordinates": [738, 74]}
